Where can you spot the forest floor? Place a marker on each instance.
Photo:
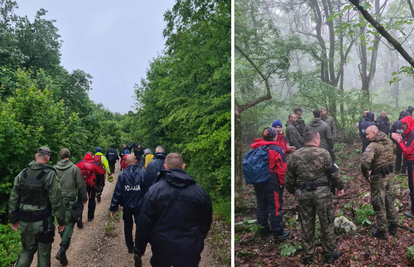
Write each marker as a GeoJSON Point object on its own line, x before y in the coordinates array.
{"type": "Point", "coordinates": [358, 249]}
{"type": "Point", "coordinates": [101, 242]}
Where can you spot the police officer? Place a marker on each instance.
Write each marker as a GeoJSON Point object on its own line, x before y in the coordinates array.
{"type": "Point", "coordinates": [71, 182]}
{"type": "Point", "coordinates": [379, 158]}
{"type": "Point", "coordinates": [155, 165]}
{"type": "Point", "coordinates": [33, 199]}
{"type": "Point", "coordinates": [112, 156]}
{"type": "Point", "coordinates": [129, 193]}
{"type": "Point", "coordinates": [309, 175]}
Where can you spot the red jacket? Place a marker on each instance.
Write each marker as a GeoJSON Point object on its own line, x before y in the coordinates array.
{"type": "Point", "coordinates": [408, 147]}
{"type": "Point", "coordinates": [89, 158]}
{"type": "Point", "coordinates": [277, 159]}
{"type": "Point", "coordinates": [281, 139]}
{"type": "Point", "coordinates": [124, 165]}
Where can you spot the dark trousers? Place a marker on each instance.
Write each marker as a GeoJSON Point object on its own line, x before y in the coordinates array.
{"type": "Point", "coordinates": [130, 215]}
{"type": "Point", "coordinates": [398, 153]}
{"type": "Point", "coordinates": [112, 165]}
{"type": "Point", "coordinates": [410, 168]}
{"type": "Point", "coordinates": [100, 183]}
{"type": "Point", "coordinates": [332, 153]}
{"type": "Point", "coordinates": [365, 143]}
{"type": "Point", "coordinates": [91, 202]}
{"type": "Point", "coordinates": [269, 206]}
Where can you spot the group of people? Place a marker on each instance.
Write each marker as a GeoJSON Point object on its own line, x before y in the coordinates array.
{"type": "Point", "coordinates": [143, 156]}
{"type": "Point", "coordinates": [170, 210]}
{"type": "Point", "coordinates": [311, 175]}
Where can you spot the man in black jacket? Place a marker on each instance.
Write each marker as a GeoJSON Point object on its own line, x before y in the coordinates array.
{"type": "Point", "coordinates": [129, 191]}
{"type": "Point", "coordinates": [155, 166]}
{"type": "Point", "coordinates": [138, 154]}
{"type": "Point", "coordinates": [383, 123]}
{"type": "Point", "coordinates": [112, 157]}
{"type": "Point", "coordinates": [397, 128]}
{"type": "Point", "coordinates": [176, 217]}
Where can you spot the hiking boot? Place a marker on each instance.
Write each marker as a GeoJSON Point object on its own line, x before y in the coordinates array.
{"type": "Point", "coordinates": [79, 223]}
{"type": "Point", "coordinates": [409, 214]}
{"type": "Point", "coordinates": [98, 198]}
{"type": "Point", "coordinates": [61, 256]}
{"type": "Point", "coordinates": [286, 234]}
{"type": "Point", "coordinates": [138, 260]}
{"type": "Point", "coordinates": [379, 234]}
{"type": "Point", "coordinates": [265, 232]}
{"type": "Point", "coordinates": [392, 228]}
{"type": "Point", "coordinates": [90, 219]}
{"type": "Point", "coordinates": [130, 250]}
{"type": "Point", "coordinates": [334, 257]}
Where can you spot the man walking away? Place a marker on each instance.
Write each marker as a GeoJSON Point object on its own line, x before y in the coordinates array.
{"type": "Point", "coordinates": [155, 166]}
{"type": "Point", "coordinates": [71, 182]}
{"type": "Point", "coordinates": [174, 207]}
{"type": "Point", "coordinates": [325, 133]}
{"type": "Point", "coordinates": [362, 135]}
{"type": "Point", "coordinates": [138, 154]}
{"type": "Point", "coordinates": [383, 123]}
{"type": "Point", "coordinates": [147, 157]}
{"type": "Point", "coordinates": [292, 133]}
{"type": "Point", "coordinates": [309, 175]}
{"type": "Point", "coordinates": [112, 156]}
{"type": "Point", "coordinates": [89, 169]}
{"type": "Point", "coordinates": [398, 128]}
{"type": "Point", "coordinates": [129, 147]}
{"type": "Point", "coordinates": [100, 178]}
{"type": "Point", "coordinates": [377, 167]}
{"type": "Point", "coordinates": [35, 196]}
{"type": "Point", "coordinates": [122, 153]}
{"type": "Point", "coordinates": [129, 191]}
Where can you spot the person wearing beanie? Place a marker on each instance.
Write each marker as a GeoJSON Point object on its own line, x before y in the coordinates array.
{"type": "Point", "coordinates": [148, 157]}
{"type": "Point", "coordinates": [281, 139]}
{"type": "Point", "coordinates": [267, 194]}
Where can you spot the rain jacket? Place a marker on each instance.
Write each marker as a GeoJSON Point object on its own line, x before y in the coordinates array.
{"type": "Point", "coordinates": [175, 218]}
{"type": "Point", "coordinates": [71, 179]}
{"type": "Point", "coordinates": [283, 142]}
{"type": "Point", "coordinates": [369, 120]}
{"type": "Point", "coordinates": [130, 189]}
{"type": "Point", "coordinates": [383, 124]}
{"type": "Point", "coordinates": [277, 160]}
{"type": "Point", "coordinates": [104, 162]}
{"type": "Point", "coordinates": [154, 167]}
{"type": "Point", "coordinates": [408, 148]}
{"type": "Point", "coordinates": [148, 158]}
{"type": "Point", "coordinates": [397, 126]}
{"type": "Point", "coordinates": [318, 125]}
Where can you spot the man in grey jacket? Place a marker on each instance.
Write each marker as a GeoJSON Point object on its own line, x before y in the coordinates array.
{"type": "Point", "coordinates": [292, 133]}
{"type": "Point", "coordinates": [71, 181]}
{"type": "Point", "coordinates": [330, 122]}
{"type": "Point", "coordinates": [318, 125]}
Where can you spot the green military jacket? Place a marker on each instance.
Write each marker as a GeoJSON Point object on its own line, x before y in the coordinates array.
{"type": "Point", "coordinates": [293, 136]}
{"type": "Point", "coordinates": [324, 131]}
{"type": "Point", "coordinates": [379, 153]}
{"type": "Point", "coordinates": [51, 186]}
{"type": "Point", "coordinates": [70, 178]}
{"type": "Point", "coordinates": [300, 125]}
{"type": "Point", "coordinates": [331, 123]}
{"type": "Point", "coordinates": [311, 164]}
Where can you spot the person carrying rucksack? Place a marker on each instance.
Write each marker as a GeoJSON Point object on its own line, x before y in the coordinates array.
{"type": "Point", "coordinates": [112, 157]}
{"type": "Point", "coordinates": [265, 167]}
{"type": "Point", "coordinates": [100, 179]}
{"type": "Point", "coordinates": [89, 169]}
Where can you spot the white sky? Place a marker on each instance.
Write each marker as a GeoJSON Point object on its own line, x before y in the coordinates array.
{"type": "Point", "coordinates": [111, 40]}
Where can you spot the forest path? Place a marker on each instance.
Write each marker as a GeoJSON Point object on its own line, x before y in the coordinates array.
{"type": "Point", "coordinates": [92, 247]}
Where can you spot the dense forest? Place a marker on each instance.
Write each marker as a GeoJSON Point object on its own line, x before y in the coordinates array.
{"type": "Point", "coordinates": [346, 56]}
{"type": "Point", "coordinates": [183, 103]}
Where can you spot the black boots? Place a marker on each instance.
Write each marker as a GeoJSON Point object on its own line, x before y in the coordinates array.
{"type": "Point", "coordinates": [79, 223]}
{"type": "Point", "coordinates": [284, 235]}
{"type": "Point", "coordinates": [61, 256]}
{"type": "Point", "coordinates": [333, 257]}
{"type": "Point", "coordinates": [265, 232]}
{"type": "Point", "coordinates": [138, 260]}
{"type": "Point", "coordinates": [392, 228]}
{"type": "Point", "coordinates": [380, 234]}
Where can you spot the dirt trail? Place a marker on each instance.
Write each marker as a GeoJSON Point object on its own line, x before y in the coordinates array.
{"type": "Point", "coordinates": [91, 247]}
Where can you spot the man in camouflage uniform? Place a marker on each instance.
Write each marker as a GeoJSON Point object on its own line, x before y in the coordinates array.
{"type": "Point", "coordinates": [309, 175]}
{"type": "Point", "coordinates": [379, 158]}
{"type": "Point", "coordinates": [300, 123]}
{"type": "Point", "coordinates": [33, 199]}
{"type": "Point", "coordinates": [329, 121]}
{"type": "Point", "coordinates": [292, 133]}
{"type": "Point", "coordinates": [71, 185]}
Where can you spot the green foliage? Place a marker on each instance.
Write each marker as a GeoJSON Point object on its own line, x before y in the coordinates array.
{"type": "Point", "coordinates": [287, 249]}
{"type": "Point", "coordinates": [363, 213]}
{"type": "Point", "coordinates": [410, 253]}
{"type": "Point", "coordinates": [10, 245]}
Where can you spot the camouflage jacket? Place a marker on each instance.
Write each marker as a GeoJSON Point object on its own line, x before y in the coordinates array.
{"type": "Point", "coordinates": [311, 164]}
{"type": "Point", "coordinates": [300, 125]}
{"type": "Point", "coordinates": [379, 153]}
{"type": "Point", "coordinates": [331, 123]}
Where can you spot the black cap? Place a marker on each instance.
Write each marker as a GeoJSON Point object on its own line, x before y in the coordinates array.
{"type": "Point", "coordinates": [44, 150]}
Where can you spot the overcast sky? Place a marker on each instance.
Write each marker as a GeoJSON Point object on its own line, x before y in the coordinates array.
{"type": "Point", "coordinates": [111, 40]}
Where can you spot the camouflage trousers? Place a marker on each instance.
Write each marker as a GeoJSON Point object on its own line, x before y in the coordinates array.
{"type": "Point", "coordinates": [326, 213]}
{"type": "Point", "coordinates": [382, 200]}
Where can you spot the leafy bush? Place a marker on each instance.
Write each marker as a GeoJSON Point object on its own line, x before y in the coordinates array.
{"type": "Point", "coordinates": [410, 253]}
{"type": "Point", "coordinates": [10, 245]}
{"type": "Point", "coordinates": [363, 213]}
{"type": "Point", "coordinates": [288, 249]}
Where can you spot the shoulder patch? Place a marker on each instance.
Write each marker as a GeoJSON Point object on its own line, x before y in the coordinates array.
{"type": "Point", "coordinates": [368, 149]}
